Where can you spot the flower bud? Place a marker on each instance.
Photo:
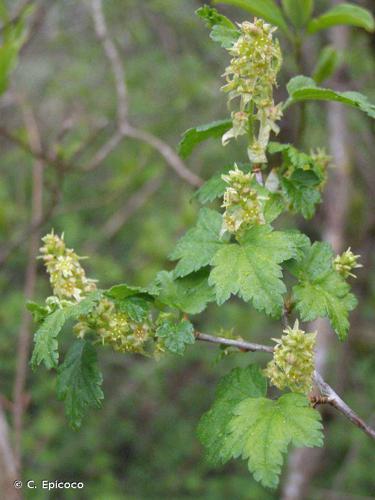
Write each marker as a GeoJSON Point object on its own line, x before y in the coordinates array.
{"type": "Point", "coordinates": [346, 262]}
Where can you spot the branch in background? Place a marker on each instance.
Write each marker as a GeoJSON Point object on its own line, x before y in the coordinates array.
{"type": "Point", "coordinates": [329, 395]}
{"type": "Point", "coordinates": [8, 469]}
{"type": "Point", "coordinates": [31, 228]}
{"type": "Point", "coordinates": [335, 209]}
{"type": "Point", "coordinates": [114, 59]}
{"type": "Point", "coordinates": [172, 158]}
{"type": "Point", "coordinates": [124, 128]}
{"type": "Point", "coordinates": [115, 223]}
{"type": "Point", "coordinates": [38, 154]}
{"type": "Point", "coordinates": [30, 282]}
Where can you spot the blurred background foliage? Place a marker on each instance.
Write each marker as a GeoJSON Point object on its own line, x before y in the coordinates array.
{"type": "Point", "coordinates": [142, 444]}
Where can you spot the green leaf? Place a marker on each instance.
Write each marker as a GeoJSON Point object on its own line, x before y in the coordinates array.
{"type": "Point", "coordinates": [13, 35]}
{"type": "Point", "coordinates": [85, 306]}
{"type": "Point", "coordinates": [302, 88]}
{"type": "Point", "coordinates": [345, 13]}
{"type": "Point", "coordinates": [267, 9]}
{"type": "Point", "coordinates": [226, 37]}
{"type": "Point", "coordinates": [8, 61]}
{"type": "Point", "coordinates": [39, 312]}
{"type": "Point", "coordinates": [237, 385]}
{"type": "Point", "coordinates": [215, 187]}
{"type": "Point", "coordinates": [223, 30]}
{"type": "Point", "coordinates": [301, 243]}
{"type": "Point", "coordinates": [211, 189]}
{"type": "Point", "coordinates": [79, 382]}
{"type": "Point", "coordinates": [298, 11]}
{"type": "Point", "coordinates": [137, 308]}
{"type": "Point", "coordinates": [262, 429]}
{"type": "Point", "coordinates": [198, 246]}
{"type": "Point", "coordinates": [45, 339]}
{"type": "Point", "coordinates": [189, 294]}
{"type": "Point", "coordinates": [251, 269]}
{"type": "Point", "coordinates": [326, 65]}
{"type": "Point", "coordinates": [124, 291]}
{"type": "Point", "coordinates": [213, 18]}
{"type": "Point", "coordinates": [321, 291]}
{"type": "Point", "coordinates": [176, 335]}
{"type": "Point", "coordinates": [194, 136]}
{"type": "Point", "coordinates": [301, 198]}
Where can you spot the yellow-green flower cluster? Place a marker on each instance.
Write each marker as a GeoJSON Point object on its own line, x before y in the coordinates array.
{"type": "Point", "coordinates": [346, 263]}
{"type": "Point", "coordinates": [67, 276]}
{"type": "Point", "coordinates": [70, 285]}
{"type": "Point", "coordinates": [251, 76]}
{"type": "Point", "coordinates": [243, 205]}
{"type": "Point", "coordinates": [114, 328]}
{"type": "Point", "coordinates": [292, 365]}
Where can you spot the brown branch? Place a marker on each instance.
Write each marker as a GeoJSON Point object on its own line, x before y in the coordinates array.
{"type": "Point", "coordinates": [114, 224]}
{"type": "Point", "coordinates": [124, 128]}
{"type": "Point", "coordinates": [331, 397]}
{"type": "Point", "coordinates": [172, 158]}
{"type": "Point", "coordinates": [117, 68]}
{"type": "Point", "coordinates": [29, 287]}
{"type": "Point", "coordinates": [8, 469]}
{"type": "Point", "coordinates": [334, 400]}
{"type": "Point", "coordinates": [38, 154]}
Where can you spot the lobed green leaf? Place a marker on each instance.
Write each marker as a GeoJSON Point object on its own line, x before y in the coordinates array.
{"type": "Point", "coordinates": [176, 335]}
{"type": "Point", "coordinates": [45, 339]}
{"type": "Point", "coordinates": [262, 429]}
{"type": "Point", "coordinates": [79, 382]}
{"type": "Point", "coordinates": [251, 269]}
{"type": "Point", "coordinates": [198, 246]}
{"type": "Point", "coordinates": [233, 388]}
{"type": "Point", "coordinates": [321, 291]}
{"type": "Point", "coordinates": [189, 294]}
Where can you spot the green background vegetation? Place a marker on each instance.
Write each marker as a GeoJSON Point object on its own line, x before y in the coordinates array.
{"type": "Point", "coordinates": [142, 444]}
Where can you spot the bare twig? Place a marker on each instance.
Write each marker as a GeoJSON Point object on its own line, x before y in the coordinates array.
{"type": "Point", "coordinates": [331, 397]}
{"type": "Point", "coordinates": [38, 154]}
{"type": "Point", "coordinates": [172, 159]}
{"type": "Point", "coordinates": [334, 400]}
{"type": "Point", "coordinates": [29, 287]}
{"type": "Point", "coordinates": [114, 224]}
{"type": "Point", "coordinates": [124, 128]}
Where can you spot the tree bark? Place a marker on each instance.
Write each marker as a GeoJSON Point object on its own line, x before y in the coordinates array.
{"type": "Point", "coordinates": [303, 463]}
{"type": "Point", "coordinates": [8, 469]}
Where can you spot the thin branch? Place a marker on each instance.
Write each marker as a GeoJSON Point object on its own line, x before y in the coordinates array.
{"type": "Point", "coordinates": [340, 405]}
{"type": "Point", "coordinates": [38, 154]}
{"type": "Point", "coordinates": [124, 128]}
{"type": "Point", "coordinates": [30, 283]}
{"type": "Point", "coordinates": [115, 223]}
{"type": "Point", "coordinates": [240, 344]}
{"type": "Point", "coordinates": [172, 158]}
{"type": "Point", "coordinates": [114, 59]}
{"type": "Point", "coordinates": [330, 396]}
